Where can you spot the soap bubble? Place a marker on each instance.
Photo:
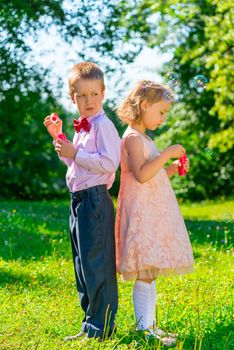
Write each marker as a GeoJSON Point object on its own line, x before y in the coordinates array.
{"type": "Point", "coordinates": [172, 79]}
{"type": "Point", "coordinates": [199, 82]}
{"type": "Point", "coordinates": [168, 96]}
{"type": "Point", "coordinates": [210, 152]}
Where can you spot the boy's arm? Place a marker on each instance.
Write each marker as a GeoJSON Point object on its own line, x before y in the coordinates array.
{"type": "Point", "coordinates": [107, 159]}
{"type": "Point", "coordinates": [54, 130]}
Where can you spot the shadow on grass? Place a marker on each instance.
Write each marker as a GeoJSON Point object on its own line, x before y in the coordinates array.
{"type": "Point", "coordinates": [27, 237]}
{"type": "Point", "coordinates": [221, 338]}
{"type": "Point", "coordinates": [8, 278]}
{"type": "Point", "coordinates": [33, 230]}
{"type": "Point", "coordinates": [28, 245]}
{"type": "Point", "coordinates": [216, 233]}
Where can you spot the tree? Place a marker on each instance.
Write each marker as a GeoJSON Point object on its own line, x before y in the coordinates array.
{"type": "Point", "coordinates": [198, 33]}
{"type": "Point", "coordinates": [29, 166]}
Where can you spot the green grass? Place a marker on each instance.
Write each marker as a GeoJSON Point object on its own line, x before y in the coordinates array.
{"type": "Point", "coordinates": [38, 299]}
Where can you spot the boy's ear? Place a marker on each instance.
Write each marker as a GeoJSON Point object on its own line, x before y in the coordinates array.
{"type": "Point", "coordinates": [144, 105]}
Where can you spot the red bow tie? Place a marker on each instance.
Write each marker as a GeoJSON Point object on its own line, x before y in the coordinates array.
{"type": "Point", "coordinates": [83, 124]}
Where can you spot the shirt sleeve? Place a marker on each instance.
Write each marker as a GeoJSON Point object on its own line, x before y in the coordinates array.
{"type": "Point", "coordinates": [107, 159]}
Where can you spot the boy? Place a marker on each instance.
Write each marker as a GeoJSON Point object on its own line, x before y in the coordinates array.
{"type": "Point", "coordinates": [92, 160]}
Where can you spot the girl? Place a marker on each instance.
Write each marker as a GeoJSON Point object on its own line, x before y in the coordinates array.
{"type": "Point", "coordinates": [151, 237]}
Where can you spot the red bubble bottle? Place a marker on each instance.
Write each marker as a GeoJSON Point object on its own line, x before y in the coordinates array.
{"type": "Point", "coordinates": [181, 169]}
{"type": "Point", "coordinates": [54, 117]}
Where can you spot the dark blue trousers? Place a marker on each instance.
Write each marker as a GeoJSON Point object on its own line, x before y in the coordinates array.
{"type": "Point", "coordinates": [93, 248]}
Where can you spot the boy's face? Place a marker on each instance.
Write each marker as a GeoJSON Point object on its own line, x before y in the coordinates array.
{"type": "Point", "coordinates": [88, 97]}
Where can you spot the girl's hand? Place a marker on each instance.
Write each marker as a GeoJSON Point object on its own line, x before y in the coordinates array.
{"type": "Point", "coordinates": [175, 151]}
{"type": "Point", "coordinates": [175, 166]}
{"type": "Point", "coordinates": [65, 149]}
{"type": "Point", "coordinates": [172, 169]}
{"type": "Point", "coordinates": [53, 129]}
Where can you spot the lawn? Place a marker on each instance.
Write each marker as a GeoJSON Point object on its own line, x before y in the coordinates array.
{"type": "Point", "coordinates": [38, 299]}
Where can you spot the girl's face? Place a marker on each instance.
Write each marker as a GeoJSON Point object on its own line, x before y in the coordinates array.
{"type": "Point", "coordinates": [154, 114]}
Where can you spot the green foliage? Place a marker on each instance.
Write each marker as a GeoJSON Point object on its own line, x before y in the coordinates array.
{"type": "Point", "coordinates": [220, 63]}
{"type": "Point", "coordinates": [199, 35]}
{"type": "Point", "coordinates": [208, 132]}
{"type": "Point", "coordinates": [38, 296]}
{"type": "Point", "coordinates": [29, 166]}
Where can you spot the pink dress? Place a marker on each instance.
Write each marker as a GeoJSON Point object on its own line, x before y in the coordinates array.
{"type": "Point", "coordinates": [151, 237]}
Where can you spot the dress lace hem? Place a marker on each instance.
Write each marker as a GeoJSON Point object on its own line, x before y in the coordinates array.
{"type": "Point", "coordinates": [153, 273]}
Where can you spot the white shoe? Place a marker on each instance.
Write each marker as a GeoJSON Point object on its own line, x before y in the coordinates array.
{"type": "Point", "coordinates": [150, 334]}
{"type": "Point", "coordinates": [161, 333]}
{"type": "Point", "coordinates": [167, 340]}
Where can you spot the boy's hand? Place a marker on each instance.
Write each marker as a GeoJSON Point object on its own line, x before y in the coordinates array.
{"type": "Point", "coordinates": [65, 149]}
{"type": "Point", "coordinates": [53, 129]}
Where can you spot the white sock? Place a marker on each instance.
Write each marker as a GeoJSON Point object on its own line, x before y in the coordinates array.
{"type": "Point", "coordinates": [141, 301]}
{"type": "Point", "coordinates": [152, 303]}
{"type": "Point", "coordinates": [152, 309]}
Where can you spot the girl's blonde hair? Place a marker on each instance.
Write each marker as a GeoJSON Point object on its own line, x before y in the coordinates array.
{"type": "Point", "coordinates": [130, 109]}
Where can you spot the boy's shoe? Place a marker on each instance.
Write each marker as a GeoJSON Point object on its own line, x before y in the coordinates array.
{"type": "Point", "coordinates": [85, 340]}
{"type": "Point", "coordinates": [74, 337]}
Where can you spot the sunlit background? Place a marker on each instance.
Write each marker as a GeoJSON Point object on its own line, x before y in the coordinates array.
{"type": "Point", "coordinates": [185, 44]}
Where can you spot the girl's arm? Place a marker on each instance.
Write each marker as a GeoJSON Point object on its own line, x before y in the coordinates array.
{"type": "Point", "coordinates": [144, 170]}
